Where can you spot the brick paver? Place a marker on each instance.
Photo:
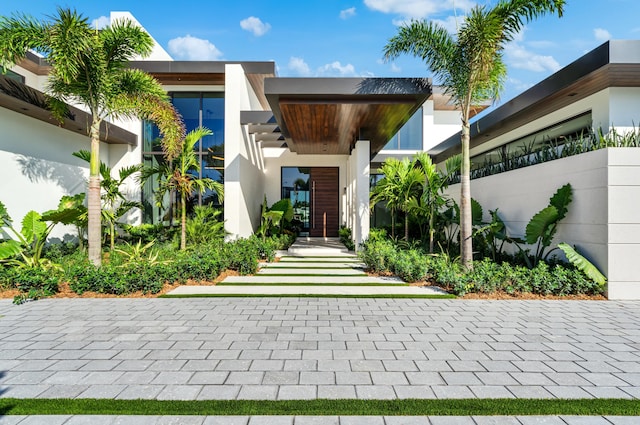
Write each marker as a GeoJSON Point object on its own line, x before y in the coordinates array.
{"type": "Point", "coordinates": [278, 347]}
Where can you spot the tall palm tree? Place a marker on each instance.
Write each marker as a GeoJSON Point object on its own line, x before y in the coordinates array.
{"type": "Point", "coordinates": [181, 175]}
{"type": "Point", "coordinates": [471, 68]}
{"type": "Point", "coordinates": [89, 67]}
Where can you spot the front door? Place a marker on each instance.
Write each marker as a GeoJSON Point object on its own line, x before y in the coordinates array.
{"type": "Point", "coordinates": [325, 202]}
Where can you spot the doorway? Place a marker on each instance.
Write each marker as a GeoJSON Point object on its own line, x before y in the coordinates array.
{"type": "Point", "coordinates": [315, 196]}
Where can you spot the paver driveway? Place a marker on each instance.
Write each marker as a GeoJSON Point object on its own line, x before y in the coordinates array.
{"type": "Point", "coordinates": [297, 348]}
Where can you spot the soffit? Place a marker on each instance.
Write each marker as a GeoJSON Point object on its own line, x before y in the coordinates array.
{"type": "Point", "coordinates": [328, 115]}
{"type": "Point", "coordinates": [31, 104]}
{"type": "Point", "coordinates": [613, 64]}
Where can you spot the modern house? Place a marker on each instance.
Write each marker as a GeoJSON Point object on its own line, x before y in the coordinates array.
{"type": "Point", "coordinates": [317, 141]}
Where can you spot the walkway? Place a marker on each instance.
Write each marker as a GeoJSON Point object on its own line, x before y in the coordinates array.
{"type": "Point", "coordinates": [311, 266]}
{"type": "Point", "coordinates": [307, 348]}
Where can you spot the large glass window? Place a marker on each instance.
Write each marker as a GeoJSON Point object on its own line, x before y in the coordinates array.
{"type": "Point", "coordinates": [197, 109]}
{"type": "Point", "coordinates": [410, 135]}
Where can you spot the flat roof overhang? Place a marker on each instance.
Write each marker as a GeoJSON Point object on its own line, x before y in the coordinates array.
{"type": "Point", "coordinates": [328, 115]}
{"type": "Point", "coordinates": [31, 105]}
{"type": "Point", "coordinates": [615, 63]}
{"type": "Point", "coordinates": [194, 73]}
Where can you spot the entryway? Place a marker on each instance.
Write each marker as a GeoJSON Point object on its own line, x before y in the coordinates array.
{"type": "Point", "coordinates": [315, 195]}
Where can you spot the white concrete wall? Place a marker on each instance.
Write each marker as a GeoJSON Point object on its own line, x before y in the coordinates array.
{"type": "Point", "coordinates": [624, 107]}
{"type": "Point", "coordinates": [244, 182]}
{"type": "Point", "coordinates": [37, 166]}
{"type": "Point", "coordinates": [276, 158]}
{"type": "Point", "coordinates": [623, 240]}
{"type": "Point", "coordinates": [603, 220]}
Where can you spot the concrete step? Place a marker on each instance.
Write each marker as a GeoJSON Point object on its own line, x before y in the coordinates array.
{"type": "Point", "coordinates": [309, 264]}
{"type": "Point", "coordinates": [404, 291]}
{"type": "Point", "coordinates": [304, 271]}
{"type": "Point", "coordinates": [319, 259]}
{"type": "Point", "coordinates": [316, 280]}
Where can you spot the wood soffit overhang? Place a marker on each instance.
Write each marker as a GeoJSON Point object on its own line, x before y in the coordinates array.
{"type": "Point", "coordinates": [598, 70]}
{"type": "Point", "coordinates": [328, 115]}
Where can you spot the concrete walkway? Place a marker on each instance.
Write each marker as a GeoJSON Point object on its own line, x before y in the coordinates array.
{"type": "Point", "coordinates": [311, 266]}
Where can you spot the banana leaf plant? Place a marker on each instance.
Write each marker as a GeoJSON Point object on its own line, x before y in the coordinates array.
{"type": "Point", "coordinates": [26, 249]}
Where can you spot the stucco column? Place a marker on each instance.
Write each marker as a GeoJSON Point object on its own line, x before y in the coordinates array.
{"type": "Point", "coordinates": [361, 157]}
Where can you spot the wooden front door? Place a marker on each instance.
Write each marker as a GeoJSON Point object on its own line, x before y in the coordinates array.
{"type": "Point", "coordinates": [325, 202]}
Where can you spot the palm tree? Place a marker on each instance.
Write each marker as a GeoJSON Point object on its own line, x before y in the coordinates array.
{"type": "Point", "coordinates": [428, 205]}
{"type": "Point", "coordinates": [181, 175]}
{"type": "Point", "coordinates": [115, 203]}
{"type": "Point", "coordinates": [470, 67]}
{"type": "Point", "coordinates": [89, 67]}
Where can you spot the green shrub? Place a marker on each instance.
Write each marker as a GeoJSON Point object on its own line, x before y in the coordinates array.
{"type": "Point", "coordinates": [378, 255]}
{"type": "Point", "coordinates": [149, 232]}
{"type": "Point", "coordinates": [35, 279]}
{"type": "Point", "coordinates": [411, 265]}
{"type": "Point", "coordinates": [346, 238]}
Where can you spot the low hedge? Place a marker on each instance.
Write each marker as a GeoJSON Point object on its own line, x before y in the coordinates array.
{"type": "Point", "coordinates": [146, 269]}
{"type": "Point", "coordinates": [413, 265]}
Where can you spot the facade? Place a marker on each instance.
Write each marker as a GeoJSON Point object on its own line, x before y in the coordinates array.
{"type": "Point", "coordinates": [599, 92]}
{"type": "Point", "coordinates": [318, 141]}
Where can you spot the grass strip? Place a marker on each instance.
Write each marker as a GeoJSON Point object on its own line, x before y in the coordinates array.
{"type": "Point", "coordinates": [345, 407]}
{"type": "Point", "coordinates": [425, 296]}
{"type": "Point", "coordinates": [392, 285]}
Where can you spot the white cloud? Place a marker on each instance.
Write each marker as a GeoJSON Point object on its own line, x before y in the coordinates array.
{"type": "Point", "coordinates": [101, 22]}
{"type": "Point", "coordinates": [255, 26]}
{"type": "Point", "coordinates": [395, 68]}
{"type": "Point", "coordinates": [451, 23]}
{"type": "Point", "coordinates": [417, 9]}
{"type": "Point", "coordinates": [347, 13]}
{"type": "Point", "coordinates": [337, 69]}
{"type": "Point", "coordinates": [193, 48]}
{"type": "Point", "coordinates": [299, 66]}
{"type": "Point", "coordinates": [601, 34]}
{"type": "Point", "coordinates": [519, 57]}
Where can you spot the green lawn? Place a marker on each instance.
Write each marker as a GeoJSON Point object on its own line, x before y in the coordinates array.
{"type": "Point", "coordinates": [411, 407]}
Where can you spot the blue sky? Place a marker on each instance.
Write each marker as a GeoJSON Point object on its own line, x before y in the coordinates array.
{"type": "Point", "coordinates": [346, 37]}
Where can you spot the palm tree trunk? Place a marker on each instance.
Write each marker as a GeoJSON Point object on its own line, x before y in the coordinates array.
{"type": "Point", "coordinates": [112, 228]}
{"type": "Point", "coordinates": [183, 231]}
{"type": "Point", "coordinates": [393, 223]}
{"type": "Point", "coordinates": [466, 245]}
{"type": "Point", "coordinates": [406, 226]}
{"type": "Point", "coordinates": [94, 228]}
{"type": "Point", "coordinates": [431, 230]}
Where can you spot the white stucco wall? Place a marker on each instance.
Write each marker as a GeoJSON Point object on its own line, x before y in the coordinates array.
{"type": "Point", "coordinates": [37, 166]}
{"type": "Point", "coordinates": [244, 180]}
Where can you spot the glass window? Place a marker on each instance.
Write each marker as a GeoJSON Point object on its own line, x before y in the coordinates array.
{"type": "Point", "coordinates": [13, 75]}
{"type": "Point", "coordinates": [410, 135]}
{"type": "Point", "coordinates": [196, 109]}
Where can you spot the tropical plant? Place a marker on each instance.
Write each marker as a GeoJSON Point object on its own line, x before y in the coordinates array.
{"type": "Point", "coordinates": [138, 253]}
{"type": "Point", "coordinates": [114, 202]}
{"type": "Point", "coordinates": [471, 68]}
{"type": "Point", "coordinates": [26, 250]}
{"type": "Point", "coordinates": [205, 226]}
{"type": "Point", "coordinates": [181, 176]}
{"type": "Point", "coordinates": [582, 264]}
{"type": "Point", "coordinates": [494, 234]}
{"type": "Point", "coordinates": [542, 227]}
{"type": "Point", "coordinates": [432, 200]}
{"type": "Point", "coordinates": [89, 67]}
{"type": "Point", "coordinates": [272, 219]}
{"type": "Point", "coordinates": [400, 184]}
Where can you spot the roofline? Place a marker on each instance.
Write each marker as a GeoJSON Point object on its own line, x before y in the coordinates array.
{"type": "Point", "coordinates": [202, 67]}
{"type": "Point", "coordinates": [610, 52]}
